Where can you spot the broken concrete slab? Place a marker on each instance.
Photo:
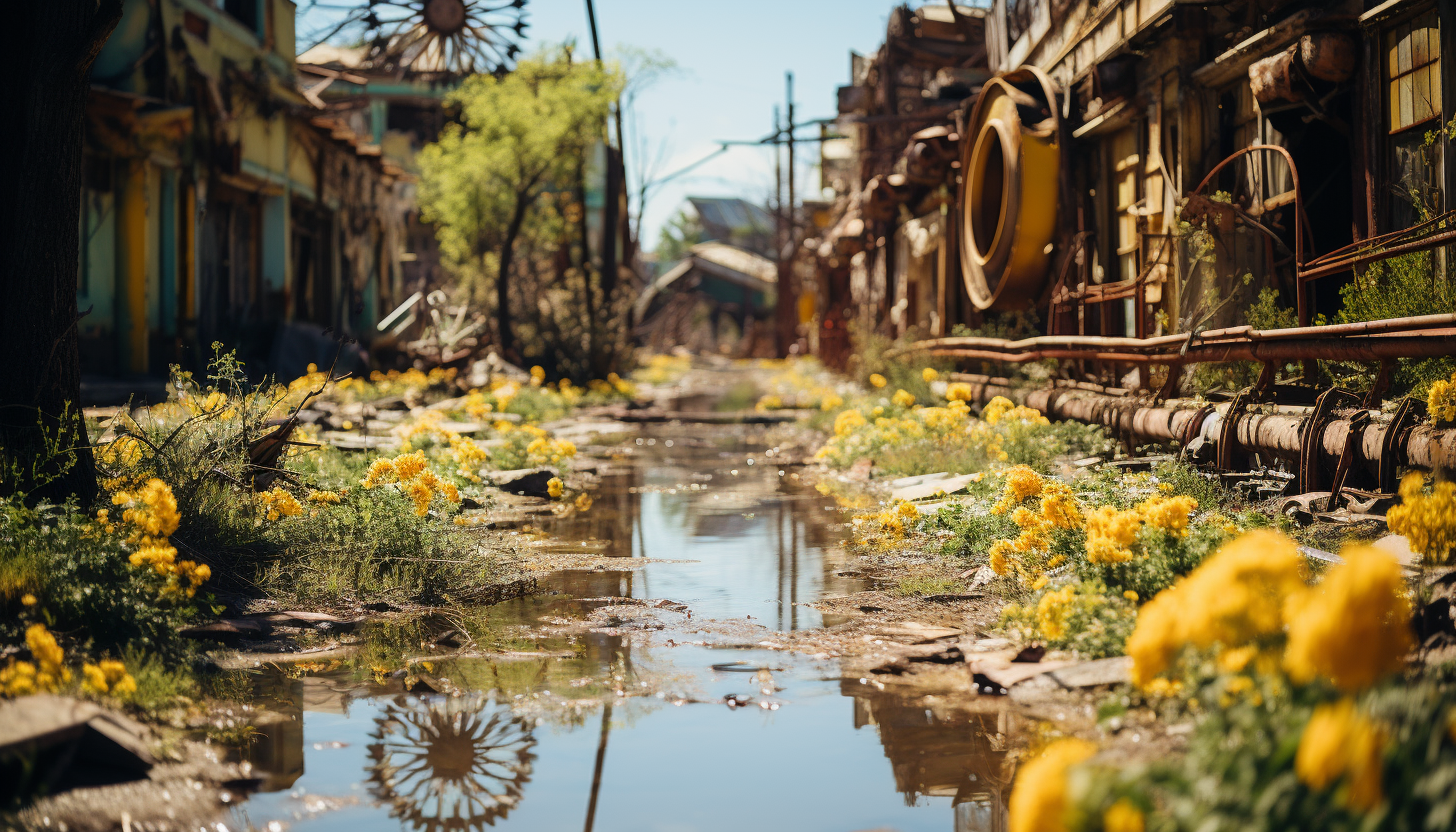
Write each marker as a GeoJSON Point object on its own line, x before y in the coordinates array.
{"type": "Point", "coordinates": [1116, 670]}
{"type": "Point", "coordinates": [906, 482]}
{"type": "Point", "coordinates": [54, 743]}
{"type": "Point", "coordinates": [931, 488]}
{"type": "Point", "coordinates": [916, 633]}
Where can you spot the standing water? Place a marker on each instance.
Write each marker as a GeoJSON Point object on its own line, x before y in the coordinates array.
{"type": "Point", "coordinates": [672, 712]}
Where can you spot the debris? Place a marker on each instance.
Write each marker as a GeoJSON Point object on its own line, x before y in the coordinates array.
{"type": "Point", "coordinates": [1097, 673]}
{"type": "Point", "coordinates": [946, 485]}
{"type": "Point", "coordinates": [54, 743]}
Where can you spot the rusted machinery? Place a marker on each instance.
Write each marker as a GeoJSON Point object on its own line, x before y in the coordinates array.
{"type": "Point", "coordinates": [1011, 159]}
{"type": "Point", "coordinates": [1332, 440]}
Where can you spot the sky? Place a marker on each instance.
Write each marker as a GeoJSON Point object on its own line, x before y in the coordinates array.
{"type": "Point", "coordinates": [731, 61]}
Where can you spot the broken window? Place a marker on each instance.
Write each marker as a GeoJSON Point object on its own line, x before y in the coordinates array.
{"type": "Point", "coordinates": [1413, 75]}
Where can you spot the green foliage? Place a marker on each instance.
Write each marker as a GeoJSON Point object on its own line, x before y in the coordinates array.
{"type": "Point", "coordinates": [921, 585]}
{"type": "Point", "coordinates": [1404, 286]}
{"type": "Point", "coordinates": [678, 235]}
{"type": "Point", "coordinates": [1085, 617]}
{"type": "Point", "coordinates": [1164, 559]}
{"type": "Point", "coordinates": [1239, 771]}
{"type": "Point", "coordinates": [504, 189]}
{"type": "Point", "coordinates": [1267, 312]}
{"type": "Point", "coordinates": [84, 586]}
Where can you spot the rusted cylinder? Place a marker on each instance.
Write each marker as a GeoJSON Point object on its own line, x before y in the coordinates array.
{"type": "Point", "coordinates": [1273, 435]}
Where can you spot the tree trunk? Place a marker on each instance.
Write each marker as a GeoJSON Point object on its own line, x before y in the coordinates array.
{"type": "Point", "coordinates": [47, 50]}
{"type": "Point", "coordinates": [503, 280]}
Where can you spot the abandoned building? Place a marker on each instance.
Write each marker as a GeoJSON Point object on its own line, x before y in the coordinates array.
{"type": "Point", "coordinates": [236, 194]}
{"type": "Point", "coordinates": [1130, 168]}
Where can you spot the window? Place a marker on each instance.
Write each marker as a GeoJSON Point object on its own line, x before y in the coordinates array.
{"type": "Point", "coordinates": [245, 12]}
{"type": "Point", "coordinates": [1413, 75]}
{"type": "Point", "coordinates": [1413, 70]}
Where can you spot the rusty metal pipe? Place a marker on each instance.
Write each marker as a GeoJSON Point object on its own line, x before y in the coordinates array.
{"type": "Point", "coordinates": [1274, 433]}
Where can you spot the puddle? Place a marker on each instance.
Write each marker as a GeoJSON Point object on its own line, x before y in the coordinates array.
{"type": "Point", "coordinates": [656, 718]}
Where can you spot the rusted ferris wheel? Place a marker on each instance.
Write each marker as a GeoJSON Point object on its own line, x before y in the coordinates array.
{"type": "Point", "coordinates": [450, 762]}
{"type": "Point", "coordinates": [443, 38]}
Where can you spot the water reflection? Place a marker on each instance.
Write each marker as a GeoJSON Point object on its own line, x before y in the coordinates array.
{"type": "Point", "coordinates": [763, 542]}
{"type": "Point", "coordinates": [450, 762]}
{"type": "Point", "coordinates": [939, 749]}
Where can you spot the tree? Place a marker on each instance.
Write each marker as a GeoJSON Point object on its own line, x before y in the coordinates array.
{"type": "Point", "coordinates": [519, 137]}
{"type": "Point", "coordinates": [678, 235]}
{"type": "Point", "coordinates": [47, 48]}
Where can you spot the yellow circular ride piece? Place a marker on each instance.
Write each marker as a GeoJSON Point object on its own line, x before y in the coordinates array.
{"type": "Point", "coordinates": [1010, 161]}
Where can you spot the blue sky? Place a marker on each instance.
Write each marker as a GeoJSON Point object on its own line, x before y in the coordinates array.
{"type": "Point", "coordinates": [732, 58]}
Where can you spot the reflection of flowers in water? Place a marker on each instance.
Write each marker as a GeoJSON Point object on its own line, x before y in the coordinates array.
{"type": "Point", "coordinates": [450, 763]}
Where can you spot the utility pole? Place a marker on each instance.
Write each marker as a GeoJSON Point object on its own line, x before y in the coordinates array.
{"type": "Point", "coordinates": [611, 204]}
{"type": "Point", "coordinates": [788, 295]}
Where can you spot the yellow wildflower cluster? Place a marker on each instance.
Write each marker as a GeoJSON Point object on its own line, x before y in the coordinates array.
{"type": "Point", "coordinates": [1001, 408]}
{"type": "Point", "coordinates": [151, 511]}
{"type": "Point", "coordinates": [888, 525]}
{"type": "Point", "coordinates": [769, 402]}
{"type": "Point", "coordinates": [538, 375]}
{"type": "Point", "coordinates": [214, 403]}
{"type": "Point", "coordinates": [476, 406]}
{"type": "Point", "coordinates": [331, 497]}
{"type": "Point", "coordinates": [831, 401]}
{"type": "Point", "coordinates": [1428, 521]}
{"type": "Point", "coordinates": [151, 517]}
{"type": "Point", "coordinates": [583, 502]}
{"type": "Point", "coordinates": [1027, 556]}
{"type": "Point", "coordinates": [664, 369]}
{"type": "Point", "coordinates": [278, 504]}
{"type": "Point", "coordinates": [1123, 816]}
{"type": "Point", "coordinates": [108, 676]}
{"type": "Point", "coordinates": [929, 374]}
{"type": "Point", "coordinates": [412, 474]}
{"type": "Point", "coordinates": [1338, 742]}
{"type": "Point", "coordinates": [1353, 628]}
{"type": "Point", "coordinates": [1249, 597]}
{"type": "Point", "coordinates": [1039, 798]}
{"type": "Point", "coordinates": [903, 398]}
{"type": "Point", "coordinates": [1112, 532]}
{"type": "Point", "coordinates": [877, 381]}
{"type": "Point", "coordinates": [395, 383]}
{"type": "Point", "coordinates": [959, 391]}
{"type": "Point", "coordinates": [859, 434]}
{"type": "Point", "coordinates": [543, 450]}
{"type": "Point", "coordinates": [1441, 400]}
{"type": "Point", "coordinates": [47, 673]}
{"type": "Point", "coordinates": [555, 488]}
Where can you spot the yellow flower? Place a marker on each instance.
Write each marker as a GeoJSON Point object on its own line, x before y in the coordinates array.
{"type": "Point", "coordinates": [1338, 742]}
{"type": "Point", "coordinates": [848, 422]}
{"type": "Point", "coordinates": [831, 401]}
{"type": "Point", "coordinates": [583, 502]}
{"type": "Point", "coordinates": [324, 497]}
{"type": "Point", "coordinates": [1428, 521]}
{"type": "Point", "coordinates": [1000, 557]}
{"type": "Point", "coordinates": [929, 374]}
{"type": "Point", "coordinates": [1052, 611]}
{"type": "Point", "coordinates": [278, 504]}
{"type": "Point", "coordinates": [1130, 595]}
{"type": "Point", "coordinates": [28, 600]}
{"type": "Point", "coordinates": [902, 398]}
{"type": "Point", "coordinates": [997, 408]}
{"type": "Point", "coordinates": [1234, 598]}
{"type": "Point", "coordinates": [1168, 513]}
{"type": "Point", "coordinates": [1441, 400]}
{"type": "Point", "coordinates": [1111, 532]}
{"type": "Point", "coordinates": [1123, 816]}
{"type": "Point", "coordinates": [1039, 798]}
{"type": "Point", "coordinates": [93, 680]}
{"type": "Point", "coordinates": [877, 380]}
{"type": "Point", "coordinates": [555, 488]}
{"type": "Point", "coordinates": [1354, 628]}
